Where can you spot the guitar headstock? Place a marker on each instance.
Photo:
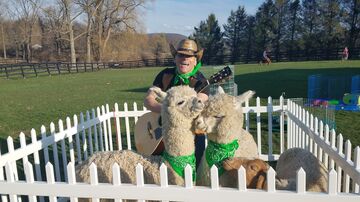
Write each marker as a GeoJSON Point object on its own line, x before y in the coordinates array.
{"type": "Point", "coordinates": [221, 75]}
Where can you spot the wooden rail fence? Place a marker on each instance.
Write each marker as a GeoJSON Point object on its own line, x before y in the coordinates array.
{"type": "Point", "coordinates": [25, 70]}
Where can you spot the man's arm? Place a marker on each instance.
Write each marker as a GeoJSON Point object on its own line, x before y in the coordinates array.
{"type": "Point", "coordinates": [151, 103]}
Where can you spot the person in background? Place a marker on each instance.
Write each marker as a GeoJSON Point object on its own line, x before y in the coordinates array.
{"type": "Point", "coordinates": [266, 58]}
{"type": "Point", "coordinates": [345, 53]}
{"type": "Point", "coordinates": [187, 56]}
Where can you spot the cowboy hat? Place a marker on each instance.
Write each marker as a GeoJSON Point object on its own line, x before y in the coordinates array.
{"type": "Point", "coordinates": [187, 47]}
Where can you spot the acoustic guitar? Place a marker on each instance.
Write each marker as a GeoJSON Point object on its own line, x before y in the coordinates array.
{"type": "Point", "coordinates": [147, 132]}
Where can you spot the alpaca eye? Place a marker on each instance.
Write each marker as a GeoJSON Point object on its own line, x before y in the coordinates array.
{"type": "Point", "coordinates": [180, 103]}
{"type": "Point", "coordinates": [219, 116]}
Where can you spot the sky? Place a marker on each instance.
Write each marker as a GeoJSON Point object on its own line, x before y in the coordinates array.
{"type": "Point", "coordinates": [181, 16]}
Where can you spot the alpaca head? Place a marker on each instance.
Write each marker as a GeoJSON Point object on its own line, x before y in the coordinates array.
{"type": "Point", "coordinates": [180, 102]}
{"type": "Point", "coordinates": [222, 116]}
{"type": "Point", "coordinates": [180, 106]}
{"type": "Point", "coordinates": [256, 170]}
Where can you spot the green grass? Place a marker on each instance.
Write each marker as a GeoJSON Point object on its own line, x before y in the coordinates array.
{"type": "Point", "coordinates": [29, 103]}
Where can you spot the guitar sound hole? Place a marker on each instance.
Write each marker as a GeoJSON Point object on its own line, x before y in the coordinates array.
{"type": "Point", "coordinates": [159, 121]}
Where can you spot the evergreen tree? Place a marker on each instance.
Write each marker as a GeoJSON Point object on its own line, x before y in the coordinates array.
{"type": "Point", "coordinates": [265, 26]}
{"type": "Point", "coordinates": [210, 37]}
{"type": "Point", "coordinates": [234, 32]}
{"type": "Point", "coordinates": [330, 20]}
{"type": "Point", "coordinates": [293, 33]}
{"type": "Point", "coordinates": [281, 8]}
{"type": "Point", "coordinates": [311, 26]}
{"type": "Point", "coordinates": [250, 38]}
{"type": "Point", "coordinates": [351, 20]}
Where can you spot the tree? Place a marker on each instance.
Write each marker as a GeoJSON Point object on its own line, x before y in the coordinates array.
{"type": "Point", "coordinates": [281, 7]}
{"type": "Point", "coordinates": [250, 37]}
{"type": "Point", "coordinates": [351, 9]}
{"type": "Point", "coordinates": [114, 16]}
{"type": "Point", "coordinates": [311, 26]}
{"type": "Point", "coordinates": [331, 28]}
{"type": "Point", "coordinates": [265, 25]}
{"type": "Point", "coordinates": [235, 32]}
{"type": "Point", "coordinates": [90, 8]}
{"type": "Point", "coordinates": [210, 37]}
{"type": "Point", "coordinates": [2, 29]}
{"type": "Point", "coordinates": [294, 26]}
{"type": "Point", "coordinates": [26, 14]}
{"type": "Point", "coordinates": [69, 17]}
{"type": "Point", "coordinates": [52, 26]}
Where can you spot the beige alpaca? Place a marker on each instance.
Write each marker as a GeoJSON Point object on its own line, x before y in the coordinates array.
{"type": "Point", "coordinates": [180, 107]}
{"type": "Point", "coordinates": [291, 161]}
{"type": "Point", "coordinates": [287, 167]}
{"type": "Point", "coordinates": [222, 120]}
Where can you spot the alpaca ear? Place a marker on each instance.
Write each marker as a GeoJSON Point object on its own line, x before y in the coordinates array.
{"type": "Point", "coordinates": [233, 163]}
{"type": "Point", "coordinates": [243, 98]}
{"type": "Point", "coordinates": [261, 183]}
{"type": "Point", "coordinates": [159, 93]}
{"type": "Point", "coordinates": [220, 90]}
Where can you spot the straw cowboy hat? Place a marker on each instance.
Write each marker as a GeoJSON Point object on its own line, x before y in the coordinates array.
{"type": "Point", "coordinates": [187, 47]}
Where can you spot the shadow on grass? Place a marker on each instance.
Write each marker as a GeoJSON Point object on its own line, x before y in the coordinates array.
{"type": "Point", "coordinates": [136, 90]}
{"type": "Point", "coordinates": [294, 82]}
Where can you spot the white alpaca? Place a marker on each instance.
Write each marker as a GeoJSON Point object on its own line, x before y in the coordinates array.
{"type": "Point", "coordinates": [222, 120]}
{"type": "Point", "coordinates": [180, 107]}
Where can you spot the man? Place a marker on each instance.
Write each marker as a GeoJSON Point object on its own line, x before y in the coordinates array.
{"type": "Point", "coordinates": [187, 57]}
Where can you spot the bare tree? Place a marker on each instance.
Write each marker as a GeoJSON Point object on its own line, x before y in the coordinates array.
{"type": "Point", "coordinates": [2, 28]}
{"type": "Point", "coordinates": [90, 8]}
{"type": "Point", "coordinates": [3, 40]}
{"type": "Point", "coordinates": [53, 24]}
{"type": "Point", "coordinates": [69, 18]}
{"type": "Point", "coordinates": [69, 12]}
{"type": "Point", "coordinates": [114, 16]}
{"type": "Point", "coordinates": [26, 14]}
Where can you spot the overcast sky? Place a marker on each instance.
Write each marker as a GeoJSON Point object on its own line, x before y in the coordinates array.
{"type": "Point", "coordinates": [181, 16]}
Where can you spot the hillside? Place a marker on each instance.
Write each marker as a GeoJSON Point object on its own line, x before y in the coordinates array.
{"type": "Point", "coordinates": [170, 37]}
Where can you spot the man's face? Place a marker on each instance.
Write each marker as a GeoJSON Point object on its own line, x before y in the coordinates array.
{"type": "Point", "coordinates": [185, 63]}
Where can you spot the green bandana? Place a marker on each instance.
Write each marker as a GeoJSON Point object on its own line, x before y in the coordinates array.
{"type": "Point", "coordinates": [178, 163]}
{"type": "Point", "coordinates": [185, 77]}
{"type": "Point", "coordinates": [216, 153]}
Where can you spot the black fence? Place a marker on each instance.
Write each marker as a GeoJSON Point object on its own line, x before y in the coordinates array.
{"type": "Point", "coordinates": [26, 70]}
{"type": "Point", "coordinates": [286, 56]}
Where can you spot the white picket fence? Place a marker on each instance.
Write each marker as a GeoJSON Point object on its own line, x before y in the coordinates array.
{"type": "Point", "coordinates": [42, 167]}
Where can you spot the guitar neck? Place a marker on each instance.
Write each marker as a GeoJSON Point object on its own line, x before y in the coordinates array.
{"type": "Point", "coordinates": [205, 85]}
{"type": "Point", "coordinates": [223, 74]}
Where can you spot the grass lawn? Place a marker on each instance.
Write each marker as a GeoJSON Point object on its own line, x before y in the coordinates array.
{"type": "Point", "coordinates": [29, 103]}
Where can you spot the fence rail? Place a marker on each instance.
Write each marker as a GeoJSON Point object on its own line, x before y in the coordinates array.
{"type": "Point", "coordinates": [43, 166]}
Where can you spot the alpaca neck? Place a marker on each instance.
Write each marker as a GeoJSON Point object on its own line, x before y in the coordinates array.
{"type": "Point", "coordinates": [223, 138]}
{"type": "Point", "coordinates": [178, 137]}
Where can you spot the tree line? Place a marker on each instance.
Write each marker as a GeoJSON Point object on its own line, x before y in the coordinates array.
{"type": "Point", "coordinates": [111, 30]}
{"type": "Point", "coordinates": [76, 31]}
{"type": "Point", "coordinates": [290, 26]}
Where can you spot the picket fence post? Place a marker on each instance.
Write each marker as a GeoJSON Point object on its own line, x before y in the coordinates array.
{"type": "Point", "coordinates": [258, 125]}
{"type": "Point", "coordinates": [270, 142]}
{"type": "Point", "coordinates": [118, 127]}
{"type": "Point", "coordinates": [108, 121]}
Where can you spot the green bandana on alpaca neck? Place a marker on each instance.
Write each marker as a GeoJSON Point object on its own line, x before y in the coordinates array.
{"type": "Point", "coordinates": [185, 77]}
{"type": "Point", "coordinates": [178, 163]}
{"type": "Point", "coordinates": [216, 153]}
